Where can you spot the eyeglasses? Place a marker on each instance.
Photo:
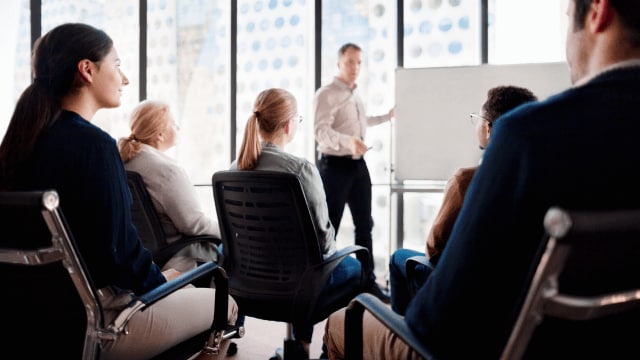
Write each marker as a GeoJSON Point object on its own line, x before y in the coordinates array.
{"type": "Point", "coordinates": [299, 118]}
{"type": "Point", "coordinates": [475, 117]}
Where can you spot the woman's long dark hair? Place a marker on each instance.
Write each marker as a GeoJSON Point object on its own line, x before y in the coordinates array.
{"type": "Point", "coordinates": [55, 59]}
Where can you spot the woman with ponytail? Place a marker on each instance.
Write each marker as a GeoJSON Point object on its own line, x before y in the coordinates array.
{"type": "Point", "coordinates": [51, 143]}
{"type": "Point", "coordinates": [154, 131]}
{"type": "Point", "coordinates": [270, 127]}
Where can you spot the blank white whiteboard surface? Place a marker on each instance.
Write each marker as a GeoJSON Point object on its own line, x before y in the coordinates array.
{"type": "Point", "coordinates": [433, 134]}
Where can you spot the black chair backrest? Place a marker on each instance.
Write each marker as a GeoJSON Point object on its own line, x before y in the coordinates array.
{"type": "Point", "coordinates": [144, 214]}
{"type": "Point", "coordinates": [268, 237]}
{"type": "Point", "coordinates": [49, 303]}
{"type": "Point", "coordinates": [584, 298]}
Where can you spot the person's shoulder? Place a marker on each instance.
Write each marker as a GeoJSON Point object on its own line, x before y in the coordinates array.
{"type": "Point", "coordinates": [79, 130]}
{"type": "Point", "coordinates": [465, 172]}
{"type": "Point", "coordinates": [462, 176]}
{"type": "Point", "coordinates": [276, 159]}
{"type": "Point", "coordinates": [327, 88]}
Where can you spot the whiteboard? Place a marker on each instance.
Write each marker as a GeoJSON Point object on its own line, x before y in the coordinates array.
{"type": "Point", "coordinates": [432, 132]}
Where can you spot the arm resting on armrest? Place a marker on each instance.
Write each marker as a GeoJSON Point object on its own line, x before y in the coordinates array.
{"type": "Point", "coordinates": [352, 249]}
{"type": "Point", "coordinates": [417, 268]}
{"type": "Point", "coordinates": [396, 324]}
{"type": "Point", "coordinates": [142, 302]}
{"type": "Point", "coordinates": [165, 253]}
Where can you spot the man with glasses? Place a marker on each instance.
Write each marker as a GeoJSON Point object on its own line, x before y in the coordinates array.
{"type": "Point", "coordinates": [500, 100]}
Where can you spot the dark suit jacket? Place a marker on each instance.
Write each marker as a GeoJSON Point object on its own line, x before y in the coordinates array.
{"type": "Point", "coordinates": [573, 150]}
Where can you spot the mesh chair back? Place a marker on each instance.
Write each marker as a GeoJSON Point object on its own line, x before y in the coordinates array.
{"type": "Point", "coordinates": [268, 238]}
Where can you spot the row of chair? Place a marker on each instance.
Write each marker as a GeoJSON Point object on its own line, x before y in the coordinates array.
{"type": "Point", "coordinates": [273, 275]}
{"type": "Point", "coordinates": [272, 263]}
{"type": "Point", "coordinates": [37, 248]}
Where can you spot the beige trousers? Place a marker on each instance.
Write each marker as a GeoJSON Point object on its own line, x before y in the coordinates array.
{"type": "Point", "coordinates": [178, 317]}
{"type": "Point", "coordinates": [378, 341]}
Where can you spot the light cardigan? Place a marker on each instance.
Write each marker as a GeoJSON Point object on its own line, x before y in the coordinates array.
{"type": "Point", "coordinates": [175, 199]}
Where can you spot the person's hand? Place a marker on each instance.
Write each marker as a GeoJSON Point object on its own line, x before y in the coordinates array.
{"type": "Point", "coordinates": [392, 112]}
{"type": "Point", "coordinates": [171, 274]}
{"type": "Point", "coordinates": [357, 147]}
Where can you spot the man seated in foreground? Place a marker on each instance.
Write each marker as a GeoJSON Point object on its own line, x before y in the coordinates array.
{"type": "Point", "coordinates": [572, 150]}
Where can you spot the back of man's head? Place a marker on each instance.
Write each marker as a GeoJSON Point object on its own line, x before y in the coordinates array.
{"type": "Point", "coordinates": [501, 99]}
{"type": "Point", "coordinates": [627, 10]}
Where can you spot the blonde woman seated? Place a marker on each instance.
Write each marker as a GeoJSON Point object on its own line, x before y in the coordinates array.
{"type": "Point", "coordinates": [275, 120]}
{"type": "Point", "coordinates": [153, 131]}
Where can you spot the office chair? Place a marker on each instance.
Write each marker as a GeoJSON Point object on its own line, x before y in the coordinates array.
{"type": "Point", "coordinates": [271, 251]}
{"type": "Point", "coordinates": [583, 301]}
{"type": "Point", "coordinates": [416, 267]}
{"type": "Point", "coordinates": [147, 221]}
{"type": "Point", "coordinates": [38, 252]}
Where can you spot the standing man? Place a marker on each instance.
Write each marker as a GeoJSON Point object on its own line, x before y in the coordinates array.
{"type": "Point", "coordinates": [340, 127]}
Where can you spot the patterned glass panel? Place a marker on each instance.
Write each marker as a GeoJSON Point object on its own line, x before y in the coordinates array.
{"type": "Point", "coordinates": [188, 67]}
{"type": "Point", "coordinates": [441, 33]}
{"type": "Point", "coordinates": [371, 25]}
{"type": "Point", "coordinates": [116, 18]}
{"type": "Point", "coordinates": [16, 60]}
{"type": "Point", "coordinates": [275, 49]}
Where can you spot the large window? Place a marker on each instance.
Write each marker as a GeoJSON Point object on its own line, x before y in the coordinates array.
{"type": "Point", "coordinates": [275, 49]}
{"type": "Point", "coordinates": [16, 59]}
{"type": "Point", "coordinates": [116, 18]}
{"type": "Point", "coordinates": [441, 33]}
{"type": "Point", "coordinates": [189, 47]}
{"type": "Point", "coordinates": [188, 66]}
{"type": "Point", "coordinates": [527, 31]}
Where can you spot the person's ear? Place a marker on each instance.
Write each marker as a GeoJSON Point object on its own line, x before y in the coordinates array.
{"type": "Point", "coordinates": [600, 15]}
{"type": "Point", "coordinates": [287, 129]}
{"type": "Point", "coordinates": [86, 70]}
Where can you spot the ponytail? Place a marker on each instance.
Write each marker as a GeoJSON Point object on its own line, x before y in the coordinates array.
{"type": "Point", "coordinates": [250, 148]}
{"type": "Point", "coordinates": [129, 147]}
{"type": "Point", "coordinates": [35, 112]}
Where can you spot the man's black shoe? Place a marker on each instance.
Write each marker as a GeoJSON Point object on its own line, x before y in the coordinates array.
{"type": "Point", "coordinates": [381, 294]}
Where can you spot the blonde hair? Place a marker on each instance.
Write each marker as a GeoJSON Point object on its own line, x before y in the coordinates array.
{"type": "Point", "coordinates": [147, 120]}
{"type": "Point", "coordinates": [272, 111]}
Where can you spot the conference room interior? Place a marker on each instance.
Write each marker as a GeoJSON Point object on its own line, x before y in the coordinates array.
{"type": "Point", "coordinates": [209, 60]}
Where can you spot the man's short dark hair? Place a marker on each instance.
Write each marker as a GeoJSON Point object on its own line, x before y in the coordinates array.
{"type": "Point", "coordinates": [628, 10]}
{"type": "Point", "coordinates": [346, 47]}
{"type": "Point", "coordinates": [501, 99]}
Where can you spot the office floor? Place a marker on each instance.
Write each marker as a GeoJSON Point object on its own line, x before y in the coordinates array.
{"type": "Point", "coordinates": [262, 337]}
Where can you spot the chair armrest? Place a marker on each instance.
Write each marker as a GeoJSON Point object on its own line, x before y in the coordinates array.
{"type": "Point", "coordinates": [316, 276]}
{"type": "Point", "coordinates": [331, 262]}
{"type": "Point", "coordinates": [413, 261]}
{"type": "Point", "coordinates": [396, 324]}
{"type": "Point", "coordinates": [140, 303]}
{"type": "Point", "coordinates": [162, 255]}
{"type": "Point", "coordinates": [411, 265]}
